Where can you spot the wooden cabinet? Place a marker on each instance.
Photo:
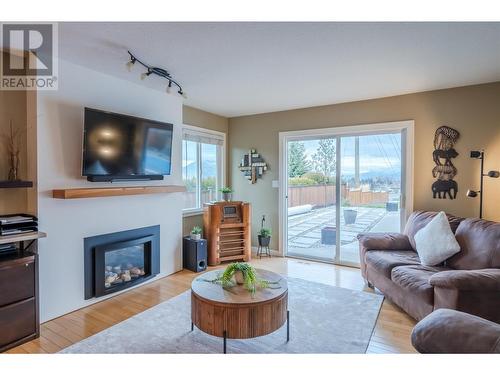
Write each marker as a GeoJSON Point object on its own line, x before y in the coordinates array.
{"type": "Point", "coordinates": [19, 320]}
{"type": "Point", "coordinates": [227, 229]}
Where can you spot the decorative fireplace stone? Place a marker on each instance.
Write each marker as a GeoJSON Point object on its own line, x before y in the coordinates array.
{"type": "Point", "coordinates": [117, 261]}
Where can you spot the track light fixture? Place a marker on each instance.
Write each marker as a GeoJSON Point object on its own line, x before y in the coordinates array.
{"type": "Point", "coordinates": [493, 174]}
{"type": "Point", "coordinates": [156, 71]}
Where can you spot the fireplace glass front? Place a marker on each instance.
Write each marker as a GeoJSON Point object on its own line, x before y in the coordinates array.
{"type": "Point", "coordinates": [120, 265]}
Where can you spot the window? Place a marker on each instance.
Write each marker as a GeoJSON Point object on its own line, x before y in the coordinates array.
{"type": "Point", "coordinates": [202, 167]}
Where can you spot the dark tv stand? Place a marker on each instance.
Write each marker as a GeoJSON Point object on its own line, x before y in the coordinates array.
{"type": "Point", "coordinates": [98, 178]}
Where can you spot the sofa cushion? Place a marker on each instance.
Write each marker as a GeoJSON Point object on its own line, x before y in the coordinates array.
{"type": "Point", "coordinates": [415, 280]}
{"type": "Point", "coordinates": [384, 261]}
{"type": "Point", "coordinates": [419, 219]}
{"type": "Point", "coordinates": [479, 242]}
{"type": "Point", "coordinates": [436, 242]}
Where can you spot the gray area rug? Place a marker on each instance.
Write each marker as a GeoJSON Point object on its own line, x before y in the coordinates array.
{"type": "Point", "coordinates": [323, 319]}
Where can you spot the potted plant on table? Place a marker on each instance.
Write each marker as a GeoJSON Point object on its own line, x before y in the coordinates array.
{"type": "Point", "coordinates": [264, 237]}
{"type": "Point", "coordinates": [227, 193]}
{"type": "Point", "coordinates": [196, 233]}
{"type": "Point", "coordinates": [243, 274]}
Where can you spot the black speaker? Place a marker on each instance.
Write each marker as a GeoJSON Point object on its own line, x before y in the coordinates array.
{"type": "Point", "coordinates": [194, 254]}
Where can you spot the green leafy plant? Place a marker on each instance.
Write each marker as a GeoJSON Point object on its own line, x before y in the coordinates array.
{"type": "Point", "coordinates": [265, 232]}
{"type": "Point", "coordinates": [300, 181]}
{"type": "Point", "coordinates": [346, 203]}
{"type": "Point", "coordinates": [196, 230]}
{"type": "Point", "coordinates": [226, 190]}
{"type": "Point", "coordinates": [251, 281]}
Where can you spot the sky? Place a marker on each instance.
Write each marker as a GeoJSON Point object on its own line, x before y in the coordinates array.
{"type": "Point", "coordinates": [377, 153]}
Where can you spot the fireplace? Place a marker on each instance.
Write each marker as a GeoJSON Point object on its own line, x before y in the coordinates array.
{"type": "Point", "coordinates": [117, 261]}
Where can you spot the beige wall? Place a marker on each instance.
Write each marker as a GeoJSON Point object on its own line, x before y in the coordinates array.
{"type": "Point", "coordinates": [202, 119]}
{"type": "Point", "coordinates": [197, 117]}
{"type": "Point", "coordinates": [473, 110]}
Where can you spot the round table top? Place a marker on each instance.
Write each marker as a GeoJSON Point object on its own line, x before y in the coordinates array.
{"type": "Point", "coordinates": [237, 294]}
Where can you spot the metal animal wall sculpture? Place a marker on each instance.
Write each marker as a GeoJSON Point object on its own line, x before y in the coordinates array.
{"type": "Point", "coordinates": [444, 142]}
{"type": "Point", "coordinates": [253, 166]}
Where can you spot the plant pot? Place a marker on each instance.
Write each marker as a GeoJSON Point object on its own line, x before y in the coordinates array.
{"type": "Point", "coordinates": [195, 237]}
{"type": "Point", "coordinates": [264, 241]}
{"type": "Point", "coordinates": [329, 236]}
{"type": "Point", "coordinates": [227, 196]}
{"type": "Point", "coordinates": [238, 277]}
{"type": "Point", "coordinates": [350, 216]}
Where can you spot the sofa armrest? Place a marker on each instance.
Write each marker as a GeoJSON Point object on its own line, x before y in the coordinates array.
{"type": "Point", "coordinates": [480, 280]}
{"type": "Point", "coordinates": [384, 241]}
{"type": "Point", "coordinates": [450, 331]}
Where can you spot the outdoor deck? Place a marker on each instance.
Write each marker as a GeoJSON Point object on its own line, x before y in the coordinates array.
{"type": "Point", "coordinates": [304, 231]}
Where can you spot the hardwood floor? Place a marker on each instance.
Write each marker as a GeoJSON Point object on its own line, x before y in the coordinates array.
{"type": "Point", "coordinates": [391, 335]}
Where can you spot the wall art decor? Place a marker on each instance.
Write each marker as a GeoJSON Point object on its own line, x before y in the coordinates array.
{"type": "Point", "coordinates": [253, 166]}
{"type": "Point", "coordinates": [444, 171]}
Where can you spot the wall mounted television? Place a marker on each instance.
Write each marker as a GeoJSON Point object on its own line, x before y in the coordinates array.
{"type": "Point", "coordinates": [118, 147]}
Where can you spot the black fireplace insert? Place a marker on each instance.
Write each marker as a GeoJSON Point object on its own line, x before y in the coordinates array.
{"type": "Point", "coordinates": [117, 261]}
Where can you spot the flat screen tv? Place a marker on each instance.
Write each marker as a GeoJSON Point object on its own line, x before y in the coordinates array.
{"type": "Point", "coordinates": [120, 147]}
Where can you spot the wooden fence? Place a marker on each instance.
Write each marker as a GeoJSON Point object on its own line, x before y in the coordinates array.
{"type": "Point", "coordinates": [324, 195]}
{"type": "Point", "coordinates": [316, 195]}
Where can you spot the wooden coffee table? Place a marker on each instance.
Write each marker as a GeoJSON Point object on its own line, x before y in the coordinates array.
{"type": "Point", "coordinates": [235, 313]}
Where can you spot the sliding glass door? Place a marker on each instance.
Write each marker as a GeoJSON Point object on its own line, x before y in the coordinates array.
{"type": "Point", "coordinates": [338, 186]}
{"type": "Point", "coordinates": [311, 203]}
{"type": "Point", "coordinates": [370, 181]}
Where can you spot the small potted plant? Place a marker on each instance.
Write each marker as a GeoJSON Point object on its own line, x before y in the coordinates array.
{"type": "Point", "coordinates": [264, 237]}
{"type": "Point", "coordinates": [196, 233]}
{"type": "Point", "coordinates": [227, 193]}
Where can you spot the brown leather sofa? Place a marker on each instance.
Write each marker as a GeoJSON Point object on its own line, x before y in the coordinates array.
{"type": "Point", "coordinates": [451, 332]}
{"type": "Point", "coordinates": [469, 281]}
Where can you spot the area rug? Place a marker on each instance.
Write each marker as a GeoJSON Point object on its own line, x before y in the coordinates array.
{"type": "Point", "coordinates": [323, 319]}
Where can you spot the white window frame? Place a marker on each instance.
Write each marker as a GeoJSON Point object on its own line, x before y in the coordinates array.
{"type": "Point", "coordinates": [408, 139]}
{"type": "Point", "coordinates": [221, 161]}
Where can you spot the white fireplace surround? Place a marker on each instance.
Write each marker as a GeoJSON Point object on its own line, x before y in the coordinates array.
{"type": "Point", "coordinates": [68, 222]}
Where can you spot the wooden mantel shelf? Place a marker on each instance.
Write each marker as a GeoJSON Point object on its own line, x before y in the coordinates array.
{"type": "Point", "coordinates": [114, 191]}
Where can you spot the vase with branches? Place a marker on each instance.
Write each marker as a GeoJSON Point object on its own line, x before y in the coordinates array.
{"type": "Point", "coordinates": [12, 145]}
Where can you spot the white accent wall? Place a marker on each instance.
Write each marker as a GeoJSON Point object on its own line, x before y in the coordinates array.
{"type": "Point", "coordinates": [68, 222]}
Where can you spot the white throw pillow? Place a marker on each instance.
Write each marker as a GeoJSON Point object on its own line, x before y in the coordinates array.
{"type": "Point", "coordinates": [436, 242]}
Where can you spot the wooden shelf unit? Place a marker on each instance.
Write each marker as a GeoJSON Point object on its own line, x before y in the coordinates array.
{"type": "Point", "coordinates": [228, 236]}
{"type": "Point", "coordinates": [19, 302]}
{"type": "Point", "coordinates": [115, 191]}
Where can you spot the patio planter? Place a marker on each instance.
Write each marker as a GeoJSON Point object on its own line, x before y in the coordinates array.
{"type": "Point", "coordinates": [350, 216]}
{"type": "Point", "coordinates": [264, 241]}
{"type": "Point", "coordinates": [328, 236]}
{"type": "Point", "coordinates": [391, 206]}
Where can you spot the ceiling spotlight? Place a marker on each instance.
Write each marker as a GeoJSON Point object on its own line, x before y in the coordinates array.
{"type": "Point", "coordinates": [146, 74]}
{"type": "Point", "coordinates": [472, 193]}
{"type": "Point", "coordinates": [130, 63]}
{"type": "Point", "coordinates": [182, 93]}
{"type": "Point", "coordinates": [160, 72]}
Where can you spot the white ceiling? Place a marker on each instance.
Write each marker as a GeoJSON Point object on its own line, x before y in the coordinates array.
{"type": "Point", "coordinates": [235, 69]}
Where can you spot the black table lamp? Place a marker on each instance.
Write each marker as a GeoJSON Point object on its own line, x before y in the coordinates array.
{"type": "Point", "coordinates": [480, 192]}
